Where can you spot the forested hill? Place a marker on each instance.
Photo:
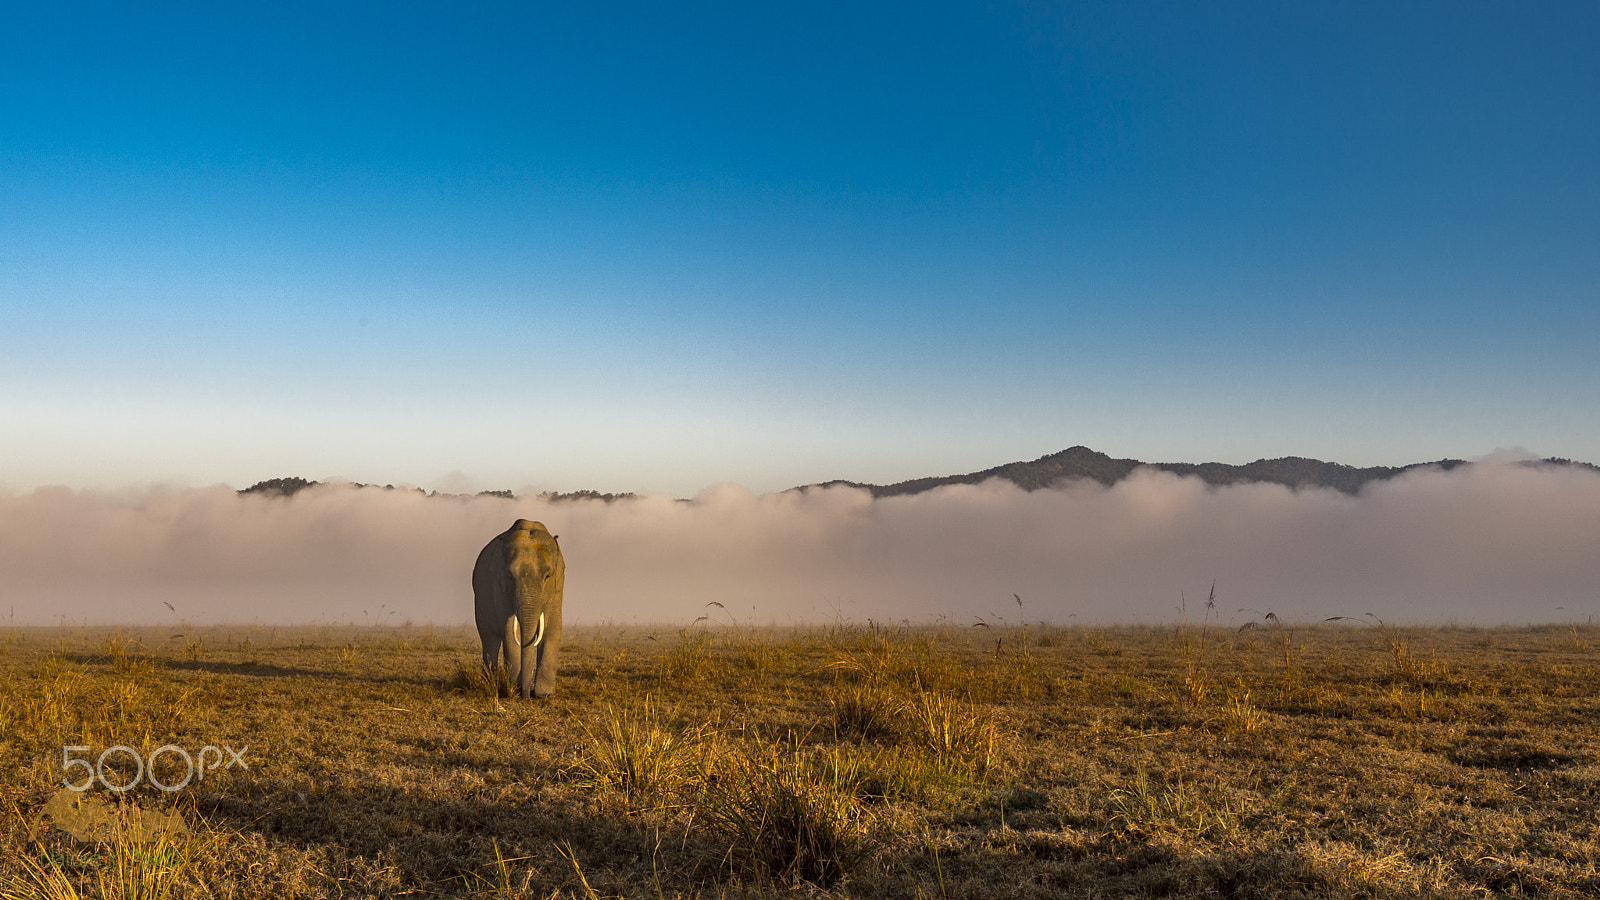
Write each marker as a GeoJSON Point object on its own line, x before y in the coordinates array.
{"type": "Point", "coordinates": [288, 487]}
{"type": "Point", "coordinates": [1081, 462]}
{"type": "Point", "coordinates": [1046, 471]}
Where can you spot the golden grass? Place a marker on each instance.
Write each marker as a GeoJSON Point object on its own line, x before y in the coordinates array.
{"type": "Point", "coordinates": [121, 867]}
{"type": "Point", "coordinates": [634, 753]}
{"type": "Point", "coordinates": [785, 814]}
{"type": "Point", "coordinates": [1328, 760]}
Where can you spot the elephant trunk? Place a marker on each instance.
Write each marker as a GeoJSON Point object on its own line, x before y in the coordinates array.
{"type": "Point", "coordinates": [529, 663]}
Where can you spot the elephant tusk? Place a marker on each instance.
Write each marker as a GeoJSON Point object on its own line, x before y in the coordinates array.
{"type": "Point", "coordinates": [538, 634]}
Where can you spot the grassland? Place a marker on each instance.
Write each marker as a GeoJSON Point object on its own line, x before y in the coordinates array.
{"type": "Point", "coordinates": [1330, 760]}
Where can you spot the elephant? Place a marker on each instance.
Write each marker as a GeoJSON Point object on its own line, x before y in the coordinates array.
{"type": "Point", "coordinates": [516, 587]}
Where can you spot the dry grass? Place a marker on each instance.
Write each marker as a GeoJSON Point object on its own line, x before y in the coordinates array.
{"type": "Point", "coordinates": [863, 712]}
{"type": "Point", "coordinates": [122, 866]}
{"type": "Point", "coordinates": [954, 735]}
{"type": "Point", "coordinates": [634, 753]}
{"type": "Point", "coordinates": [1328, 760]}
{"type": "Point", "coordinates": [785, 815]}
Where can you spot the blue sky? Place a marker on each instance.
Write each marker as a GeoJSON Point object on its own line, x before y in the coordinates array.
{"type": "Point", "coordinates": [657, 247]}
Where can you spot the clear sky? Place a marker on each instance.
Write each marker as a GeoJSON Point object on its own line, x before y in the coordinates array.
{"type": "Point", "coordinates": [660, 246]}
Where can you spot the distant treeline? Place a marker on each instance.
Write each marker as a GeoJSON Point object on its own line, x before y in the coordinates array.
{"type": "Point", "coordinates": [288, 487]}
{"type": "Point", "coordinates": [1047, 471]}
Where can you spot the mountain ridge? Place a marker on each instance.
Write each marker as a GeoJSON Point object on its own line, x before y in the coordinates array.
{"type": "Point", "coordinates": [1080, 462]}
{"type": "Point", "coordinates": [1072, 464]}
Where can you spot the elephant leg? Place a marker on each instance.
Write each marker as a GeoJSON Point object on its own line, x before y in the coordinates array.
{"type": "Point", "coordinates": [491, 639]}
{"type": "Point", "coordinates": [533, 658]}
{"type": "Point", "coordinates": [544, 676]}
{"type": "Point", "coordinates": [548, 660]}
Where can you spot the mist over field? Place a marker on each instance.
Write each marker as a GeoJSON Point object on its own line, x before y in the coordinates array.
{"type": "Point", "coordinates": [1490, 543]}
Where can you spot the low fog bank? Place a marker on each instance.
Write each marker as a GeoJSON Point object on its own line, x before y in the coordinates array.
{"type": "Point", "coordinates": [1488, 544]}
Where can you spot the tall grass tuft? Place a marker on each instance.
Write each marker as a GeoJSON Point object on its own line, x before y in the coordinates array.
{"type": "Point", "coordinates": [863, 711]}
{"type": "Point", "coordinates": [1195, 687]}
{"type": "Point", "coordinates": [760, 657]}
{"type": "Point", "coordinates": [959, 736]}
{"type": "Point", "coordinates": [124, 661]}
{"type": "Point", "coordinates": [57, 708]}
{"type": "Point", "coordinates": [477, 680]}
{"type": "Point", "coordinates": [632, 752]}
{"type": "Point", "coordinates": [905, 774]}
{"type": "Point", "coordinates": [125, 867]}
{"type": "Point", "coordinates": [786, 815]}
{"type": "Point", "coordinates": [44, 878]}
{"type": "Point", "coordinates": [690, 660]}
{"type": "Point", "coordinates": [146, 871]}
{"type": "Point", "coordinates": [1240, 715]}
